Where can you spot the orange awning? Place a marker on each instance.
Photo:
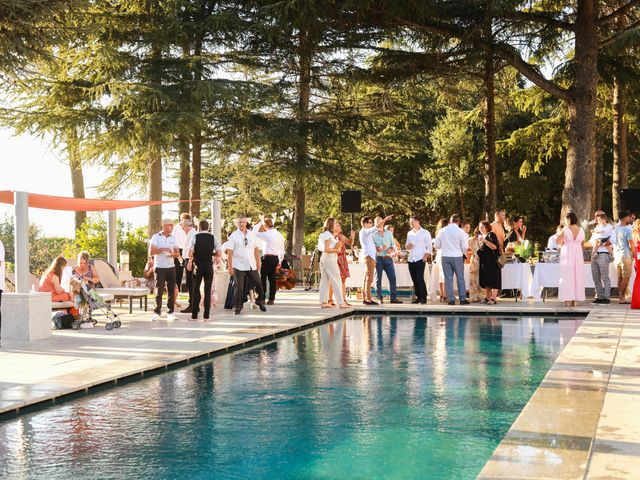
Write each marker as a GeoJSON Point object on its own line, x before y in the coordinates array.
{"type": "Point", "coordinates": [51, 202]}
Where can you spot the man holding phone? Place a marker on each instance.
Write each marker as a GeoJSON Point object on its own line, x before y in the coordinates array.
{"type": "Point", "coordinates": [164, 249]}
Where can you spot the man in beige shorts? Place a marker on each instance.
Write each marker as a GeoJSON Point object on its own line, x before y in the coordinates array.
{"type": "Point", "coordinates": [368, 255]}
{"type": "Point", "coordinates": [623, 253]}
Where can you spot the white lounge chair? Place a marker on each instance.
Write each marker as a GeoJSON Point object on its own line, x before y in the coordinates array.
{"type": "Point", "coordinates": [111, 285]}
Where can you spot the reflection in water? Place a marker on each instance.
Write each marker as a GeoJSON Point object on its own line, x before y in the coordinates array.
{"type": "Point", "coordinates": [365, 397]}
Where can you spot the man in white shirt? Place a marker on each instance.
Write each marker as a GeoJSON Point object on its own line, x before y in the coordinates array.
{"type": "Point", "coordinates": [552, 244]}
{"type": "Point", "coordinates": [164, 250]}
{"type": "Point", "coordinates": [601, 242]}
{"type": "Point", "coordinates": [368, 255]}
{"type": "Point", "coordinates": [272, 256]}
{"type": "Point", "coordinates": [243, 264]}
{"type": "Point", "coordinates": [454, 243]}
{"type": "Point", "coordinates": [2, 273]}
{"type": "Point", "coordinates": [420, 248]}
{"type": "Point", "coordinates": [184, 234]}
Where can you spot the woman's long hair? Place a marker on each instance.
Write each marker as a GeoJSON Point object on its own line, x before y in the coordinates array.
{"type": "Point", "coordinates": [328, 225]}
{"type": "Point", "coordinates": [636, 230]}
{"type": "Point", "coordinates": [56, 266]}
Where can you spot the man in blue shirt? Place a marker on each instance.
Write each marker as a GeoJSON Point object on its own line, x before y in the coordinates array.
{"type": "Point", "coordinates": [385, 246]}
{"type": "Point", "coordinates": [623, 253]}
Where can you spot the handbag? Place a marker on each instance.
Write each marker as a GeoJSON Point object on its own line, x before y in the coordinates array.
{"type": "Point", "coordinates": [502, 260]}
{"type": "Point", "coordinates": [62, 320]}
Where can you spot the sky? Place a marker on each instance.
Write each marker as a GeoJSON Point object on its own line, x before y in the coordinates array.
{"type": "Point", "coordinates": [32, 164]}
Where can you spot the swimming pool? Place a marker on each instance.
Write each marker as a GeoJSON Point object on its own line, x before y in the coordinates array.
{"type": "Point", "coordinates": [364, 397]}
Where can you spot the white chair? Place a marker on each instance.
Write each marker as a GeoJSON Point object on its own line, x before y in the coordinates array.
{"type": "Point", "coordinates": [111, 285]}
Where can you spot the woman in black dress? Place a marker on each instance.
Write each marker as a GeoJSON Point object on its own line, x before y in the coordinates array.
{"type": "Point", "coordinates": [488, 253]}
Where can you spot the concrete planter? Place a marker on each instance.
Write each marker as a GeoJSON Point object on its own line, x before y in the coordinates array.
{"type": "Point", "coordinates": [26, 316]}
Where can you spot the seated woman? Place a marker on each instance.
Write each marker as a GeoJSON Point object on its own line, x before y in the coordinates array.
{"type": "Point", "coordinates": [50, 282]}
{"type": "Point", "coordinates": [84, 272]}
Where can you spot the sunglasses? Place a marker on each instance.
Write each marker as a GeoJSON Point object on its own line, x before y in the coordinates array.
{"type": "Point", "coordinates": [246, 242]}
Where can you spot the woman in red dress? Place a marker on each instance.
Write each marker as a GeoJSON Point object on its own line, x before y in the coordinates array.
{"type": "Point", "coordinates": [635, 296]}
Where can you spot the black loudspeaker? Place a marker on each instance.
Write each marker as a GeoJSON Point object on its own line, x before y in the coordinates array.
{"type": "Point", "coordinates": [351, 201]}
{"type": "Point", "coordinates": [630, 199]}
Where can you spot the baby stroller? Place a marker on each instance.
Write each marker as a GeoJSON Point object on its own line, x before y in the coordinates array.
{"type": "Point", "coordinates": [92, 303]}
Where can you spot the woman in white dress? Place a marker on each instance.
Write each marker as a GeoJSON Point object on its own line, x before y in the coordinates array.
{"type": "Point", "coordinates": [329, 247]}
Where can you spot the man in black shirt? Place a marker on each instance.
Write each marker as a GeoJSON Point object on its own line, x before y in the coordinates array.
{"type": "Point", "coordinates": [203, 248]}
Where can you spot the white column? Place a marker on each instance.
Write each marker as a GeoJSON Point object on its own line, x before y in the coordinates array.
{"type": "Point", "coordinates": [112, 238]}
{"type": "Point", "coordinates": [216, 219]}
{"type": "Point", "coordinates": [21, 203]}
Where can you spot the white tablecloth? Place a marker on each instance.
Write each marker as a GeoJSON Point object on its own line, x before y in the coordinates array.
{"type": "Point", "coordinates": [403, 277]}
{"type": "Point", "coordinates": [547, 275]}
{"type": "Point", "coordinates": [517, 276]}
{"type": "Point", "coordinates": [432, 285]}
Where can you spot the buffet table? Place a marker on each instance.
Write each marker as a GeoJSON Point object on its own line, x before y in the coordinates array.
{"type": "Point", "coordinates": [547, 275]}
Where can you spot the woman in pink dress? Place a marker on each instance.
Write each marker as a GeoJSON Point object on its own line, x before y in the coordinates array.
{"type": "Point", "coordinates": [571, 288]}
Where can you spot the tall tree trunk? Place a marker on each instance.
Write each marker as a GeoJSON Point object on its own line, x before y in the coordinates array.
{"type": "Point", "coordinates": [620, 152]}
{"type": "Point", "coordinates": [185, 175]}
{"type": "Point", "coordinates": [599, 174]}
{"type": "Point", "coordinates": [155, 189]}
{"type": "Point", "coordinates": [490, 180]}
{"type": "Point", "coordinates": [304, 93]}
{"type": "Point", "coordinates": [196, 172]}
{"type": "Point", "coordinates": [196, 165]}
{"type": "Point", "coordinates": [155, 156]}
{"type": "Point", "coordinates": [75, 165]}
{"type": "Point", "coordinates": [577, 195]}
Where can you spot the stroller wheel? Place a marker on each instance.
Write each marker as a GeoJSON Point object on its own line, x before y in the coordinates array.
{"type": "Point", "coordinates": [75, 325]}
{"type": "Point", "coordinates": [117, 324]}
{"type": "Point", "coordinates": [109, 326]}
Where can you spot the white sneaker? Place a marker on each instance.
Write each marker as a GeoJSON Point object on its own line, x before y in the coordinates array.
{"type": "Point", "coordinates": [156, 317]}
{"type": "Point", "coordinates": [171, 317]}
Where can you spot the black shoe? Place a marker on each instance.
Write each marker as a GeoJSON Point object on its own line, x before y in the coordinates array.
{"type": "Point", "coordinates": [187, 310]}
{"type": "Point", "coordinates": [465, 302]}
{"type": "Point", "coordinates": [237, 311]}
{"type": "Point", "coordinates": [194, 315]}
{"type": "Point", "coordinates": [451, 303]}
{"type": "Point", "coordinates": [414, 302]}
{"type": "Point", "coordinates": [423, 303]}
{"type": "Point", "coordinates": [605, 301]}
{"type": "Point", "coordinates": [396, 301]}
{"type": "Point", "coordinates": [262, 307]}
{"type": "Point", "coordinates": [206, 316]}
{"type": "Point", "coordinates": [597, 301]}
{"type": "Point", "coordinates": [270, 302]}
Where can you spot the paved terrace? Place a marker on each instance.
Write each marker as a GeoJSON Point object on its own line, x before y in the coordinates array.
{"type": "Point", "coordinates": [580, 423]}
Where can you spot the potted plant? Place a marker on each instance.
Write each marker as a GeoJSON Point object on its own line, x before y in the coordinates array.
{"type": "Point", "coordinates": [523, 251]}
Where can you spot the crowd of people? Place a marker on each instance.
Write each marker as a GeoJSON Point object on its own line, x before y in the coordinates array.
{"type": "Point", "coordinates": [485, 250]}
{"type": "Point", "coordinates": [254, 257]}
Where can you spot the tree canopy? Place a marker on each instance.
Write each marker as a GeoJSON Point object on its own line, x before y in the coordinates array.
{"type": "Point", "coordinates": [428, 107]}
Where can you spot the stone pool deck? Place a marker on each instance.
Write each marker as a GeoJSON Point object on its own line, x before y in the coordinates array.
{"type": "Point", "coordinates": [580, 423]}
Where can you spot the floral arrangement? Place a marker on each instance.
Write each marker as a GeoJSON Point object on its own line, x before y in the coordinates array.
{"type": "Point", "coordinates": [523, 250]}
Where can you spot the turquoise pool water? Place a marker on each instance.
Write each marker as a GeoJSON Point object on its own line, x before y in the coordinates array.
{"type": "Point", "coordinates": [367, 397]}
